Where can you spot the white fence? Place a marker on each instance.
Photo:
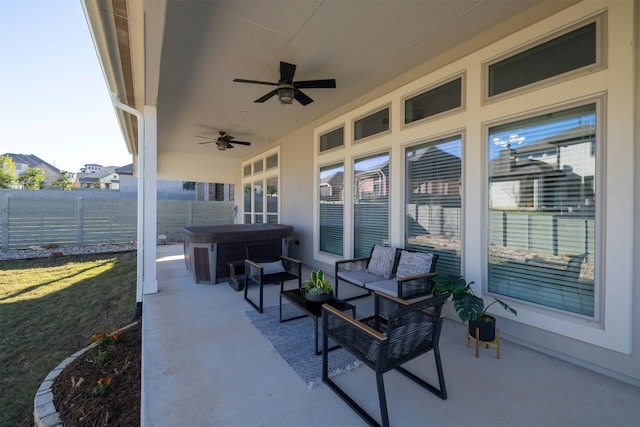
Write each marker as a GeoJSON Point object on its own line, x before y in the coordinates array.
{"type": "Point", "coordinates": [28, 221]}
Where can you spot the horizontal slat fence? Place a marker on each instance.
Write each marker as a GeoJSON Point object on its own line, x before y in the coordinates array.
{"type": "Point", "coordinates": [29, 221]}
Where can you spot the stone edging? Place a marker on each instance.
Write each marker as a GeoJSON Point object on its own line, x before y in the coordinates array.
{"type": "Point", "coordinates": [44, 410]}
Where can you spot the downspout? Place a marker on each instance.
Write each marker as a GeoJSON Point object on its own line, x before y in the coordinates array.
{"type": "Point", "coordinates": [137, 312]}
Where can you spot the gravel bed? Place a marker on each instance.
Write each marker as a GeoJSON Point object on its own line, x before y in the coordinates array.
{"type": "Point", "coordinates": [38, 252]}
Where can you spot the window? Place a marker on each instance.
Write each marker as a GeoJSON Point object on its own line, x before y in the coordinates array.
{"type": "Point", "coordinates": [258, 202]}
{"type": "Point", "coordinates": [247, 203]}
{"type": "Point", "coordinates": [372, 124]}
{"type": "Point", "coordinates": [542, 174]}
{"type": "Point", "coordinates": [370, 203]}
{"type": "Point", "coordinates": [433, 203]}
{"type": "Point", "coordinates": [272, 161]}
{"type": "Point", "coordinates": [333, 139]}
{"type": "Point", "coordinates": [257, 166]}
{"type": "Point", "coordinates": [272, 200]}
{"type": "Point", "coordinates": [438, 100]}
{"type": "Point", "coordinates": [331, 205]}
{"type": "Point", "coordinates": [568, 52]}
{"type": "Point", "coordinates": [261, 189]}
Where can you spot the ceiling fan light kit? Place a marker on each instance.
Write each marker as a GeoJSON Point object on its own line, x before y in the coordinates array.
{"type": "Point", "coordinates": [288, 90]}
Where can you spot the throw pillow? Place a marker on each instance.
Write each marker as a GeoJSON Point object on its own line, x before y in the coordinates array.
{"type": "Point", "coordinates": [381, 262]}
{"type": "Point", "coordinates": [413, 263]}
{"type": "Point", "coordinates": [272, 267]}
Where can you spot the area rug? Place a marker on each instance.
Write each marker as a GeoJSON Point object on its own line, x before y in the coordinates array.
{"type": "Point", "coordinates": [294, 341]}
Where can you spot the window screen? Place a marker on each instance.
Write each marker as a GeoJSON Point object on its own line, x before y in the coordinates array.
{"type": "Point", "coordinates": [370, 203]}
{"type": "Point", "coordinates": [568, 52]}
{"type": "Point", "coordinates": [435, 101]}
{"type": "Point", "coordinates": [332, 209]}
{"type": "Point", "coordinates": [433, 204]}
{"type": "Point", "coordinates": [542, 174]}
{"type": "Point", "coordinates": [371, 125]}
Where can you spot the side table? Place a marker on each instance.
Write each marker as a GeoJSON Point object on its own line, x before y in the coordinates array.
{"type": "Point", "coordinates": [312, 309]}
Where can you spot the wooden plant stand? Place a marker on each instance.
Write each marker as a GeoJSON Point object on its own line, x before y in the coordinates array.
{"type": "Point", "coordinates": [495, 343]}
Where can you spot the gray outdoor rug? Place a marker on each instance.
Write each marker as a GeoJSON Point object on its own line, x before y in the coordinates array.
{"type": "Point", "coordinates": [294, 341]}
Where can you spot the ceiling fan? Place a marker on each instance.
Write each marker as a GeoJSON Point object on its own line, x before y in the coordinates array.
{"type": "Point", "coordinates": [224, 141]}
{"type": "Point", "coordinates": [287, 89]}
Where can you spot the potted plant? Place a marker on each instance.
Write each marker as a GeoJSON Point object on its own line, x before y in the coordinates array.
{"type": "Point", "coordinates": [470, 308]}
{"type": "Point", "coordinates": [317, 288]}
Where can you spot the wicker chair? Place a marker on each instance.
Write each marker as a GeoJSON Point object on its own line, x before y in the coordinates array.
{"type": "Point", "coordinates": [398, 332]}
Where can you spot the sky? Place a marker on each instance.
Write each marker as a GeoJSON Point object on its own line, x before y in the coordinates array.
{"type": "Point", "coordinates": [54, 101]}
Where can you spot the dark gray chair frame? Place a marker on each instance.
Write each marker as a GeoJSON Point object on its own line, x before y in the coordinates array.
{"type": "Point", "coordinates": [362, 263]}
{"type": "Point", "coordinates": [254, 274]}
{"type": "Point", "coordinates": [398, 332]}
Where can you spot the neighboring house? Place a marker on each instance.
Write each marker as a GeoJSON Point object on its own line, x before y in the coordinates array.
{"type": "Point", "coordinates": [103, 177]}
{"type": "Point", "coordinates": [496, 85]}
{"type": "Point", "coordinates": [26, 161]}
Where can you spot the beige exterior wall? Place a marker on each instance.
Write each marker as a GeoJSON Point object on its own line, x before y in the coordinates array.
{"type": "Point", "coordinates": [611, 344]}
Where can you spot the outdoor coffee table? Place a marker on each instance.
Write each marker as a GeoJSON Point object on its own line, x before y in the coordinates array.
{"type": "Point", "coordinates": [313, 309]}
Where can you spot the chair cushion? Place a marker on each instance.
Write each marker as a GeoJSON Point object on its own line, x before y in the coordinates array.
{"type": "Point", "coordinates": [389, 286]}
{"type": "Point", "coordinates": [381, 262]}
{"type": "Point", "coordinates": [272, 267]}
{"type": "Point", "coordinates": [413, 263]}
{"type": "Point", "coordinates": [358, 277]}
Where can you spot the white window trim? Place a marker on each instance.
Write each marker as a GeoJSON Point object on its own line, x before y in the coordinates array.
{"type": "Point", "coordinates": [463, 100]}
{"type": "Point", "coordinates": [263, 176]}
{"type": "Point", "coordinates": [600, 18]}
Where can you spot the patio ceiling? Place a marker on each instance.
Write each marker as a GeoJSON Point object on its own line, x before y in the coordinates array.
{"type": "Point", "coordinates": [194, 50]}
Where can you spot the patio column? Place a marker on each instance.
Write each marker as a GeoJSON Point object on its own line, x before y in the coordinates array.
{"type": "Point", "coordinates": [147, 200]}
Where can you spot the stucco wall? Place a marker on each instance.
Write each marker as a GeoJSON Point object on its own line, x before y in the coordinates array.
{"type": "Point", "coordinates": [611, 343]}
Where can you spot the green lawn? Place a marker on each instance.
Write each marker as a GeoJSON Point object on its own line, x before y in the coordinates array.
{"type": "Point", "coordinates": [49, 308]}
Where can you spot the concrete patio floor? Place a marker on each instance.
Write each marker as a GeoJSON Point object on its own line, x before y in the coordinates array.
{"type": "Point", "coordinates": [204, 364]}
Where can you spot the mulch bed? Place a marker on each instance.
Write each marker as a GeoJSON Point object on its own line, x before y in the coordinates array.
{"type": "Point", "coordinates": [73, 389]}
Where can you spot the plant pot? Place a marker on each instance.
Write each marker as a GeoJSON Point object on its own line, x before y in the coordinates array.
{"type": "Point", "coordinates": [318, 298]}
{"type": "Point", "coordinates": [487, 326]}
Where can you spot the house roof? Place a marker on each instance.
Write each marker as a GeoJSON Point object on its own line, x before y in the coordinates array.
{"type": "Point", "coordinates": [33, 161]}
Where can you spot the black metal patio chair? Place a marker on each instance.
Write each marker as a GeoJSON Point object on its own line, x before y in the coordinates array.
{"type": "Point", "coordinates": [398, 332]}
{"type": "Point", "coordinates": [268, 269]}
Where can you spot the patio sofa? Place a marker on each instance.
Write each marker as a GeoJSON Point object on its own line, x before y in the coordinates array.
{"type": "Point", "coordinates": [398, 272]}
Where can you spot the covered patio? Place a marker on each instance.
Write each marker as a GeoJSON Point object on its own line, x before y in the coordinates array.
{"type": "Point", "coordinates": [349, 170]}
{"type": "Point", "coordinates": [205, 364]}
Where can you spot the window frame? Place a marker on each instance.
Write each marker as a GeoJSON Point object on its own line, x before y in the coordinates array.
{"type": "Point", "coordinates": [435, 140]}
{"type": "Point", "coordinates": [262, 178]}
{"type": "Point", "coordinates": [369, 113]}
{"type": "Point", "coordinates": [328, 131]}
{"type": "Point", "coordinates": [600, 20]}
{"type": "Point", "coordinates": [599, 100]}
{"type": "Point", "coordinates": [463, 100]}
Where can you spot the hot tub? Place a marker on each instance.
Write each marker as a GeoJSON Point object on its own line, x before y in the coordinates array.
{"type": "Point", "coordinates": [209, 248]}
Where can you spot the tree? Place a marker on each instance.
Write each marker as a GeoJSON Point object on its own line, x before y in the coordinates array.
{"type": "Point", "coordinates": [32, 179]}
{"type": "Point", "coordinates": [8, 175]}
{"type": "Point", "coordinates": [63, 182]}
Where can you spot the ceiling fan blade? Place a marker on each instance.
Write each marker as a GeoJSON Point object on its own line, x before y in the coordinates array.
{"type": "Point", "coordinates": [229, 145]}
{"type": "Point", "coordinates": [255, 82]}
{"type": "Point", "coordinates": [302, 98]}
{"type": "Point", "coordinates": [241, 142]}
{"type": "Point", "coordinates": [287, 71]}
{"type": "Point", "coordinates": [317, 84]}
{"type": "Point", "coordinates": [206, 142]}
{"type": "Point", "coordinates": [267, 96]}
